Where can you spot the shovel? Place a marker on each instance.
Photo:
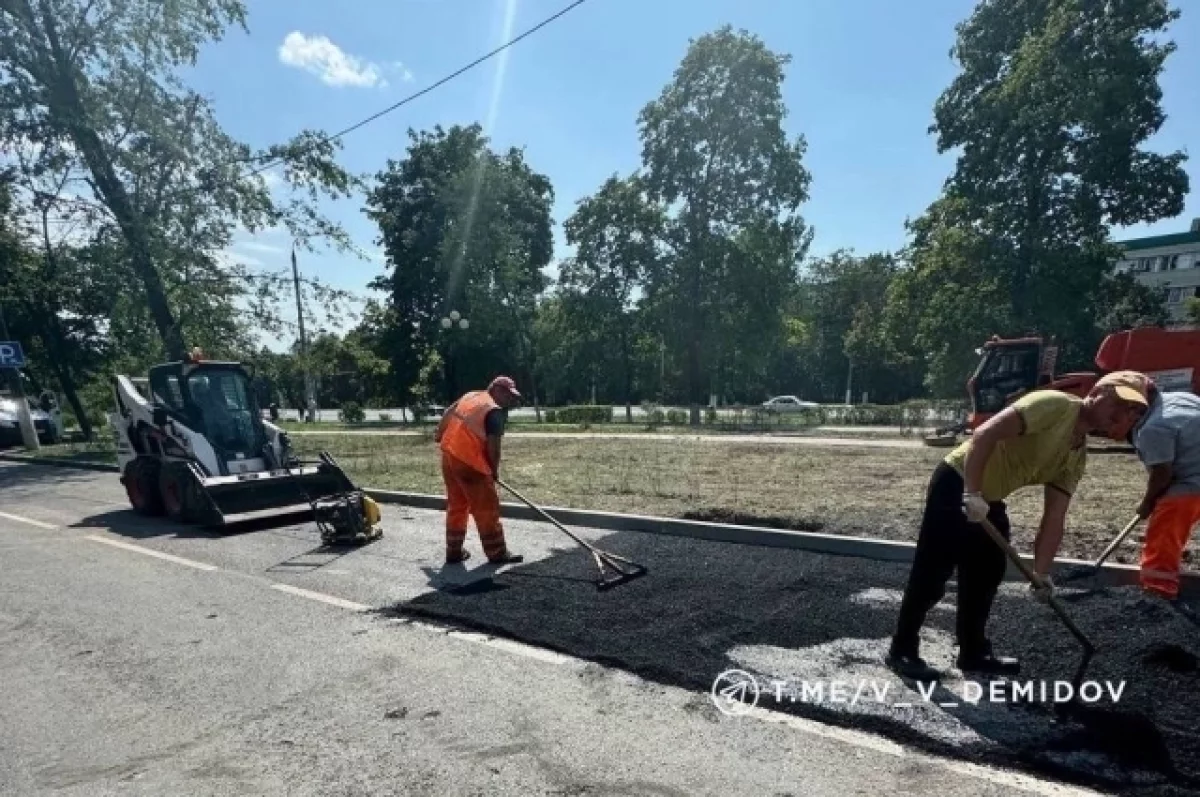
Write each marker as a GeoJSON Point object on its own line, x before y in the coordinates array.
{"type": "Point", "coordinates": [1084, 571]}
{"type": "Point", "coordinates": [1089, 649]}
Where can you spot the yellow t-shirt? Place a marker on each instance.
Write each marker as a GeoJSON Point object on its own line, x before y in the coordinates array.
{"type": "Point", "coordinates": [1043, 454]}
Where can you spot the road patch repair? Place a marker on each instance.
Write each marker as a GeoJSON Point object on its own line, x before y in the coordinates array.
{"type": "Point", "coordinates": [809, 632]}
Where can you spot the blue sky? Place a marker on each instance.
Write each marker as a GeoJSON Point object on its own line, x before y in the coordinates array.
{"type": "Point", "coordinates": [860, 88]}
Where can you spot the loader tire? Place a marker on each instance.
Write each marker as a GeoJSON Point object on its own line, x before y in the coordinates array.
{"type": "Point", "coordinates": [141, 486]}
{"type": "Point", "coordinates": [181, 497]}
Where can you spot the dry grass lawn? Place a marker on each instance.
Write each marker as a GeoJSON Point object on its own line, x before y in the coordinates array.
{"type": "Point", "coordinates": [874, 492]}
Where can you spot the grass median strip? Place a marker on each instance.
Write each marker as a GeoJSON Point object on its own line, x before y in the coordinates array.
{"type": "Point", "coordinates": [868, 492]}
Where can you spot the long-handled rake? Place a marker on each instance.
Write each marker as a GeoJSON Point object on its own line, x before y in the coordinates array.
{"type": "Point", "coordinates": [625, 569]}
{"type": "Point", "coordinates": [1089, 649]}
{"type": "Point", "coordinates": [1085, 571]}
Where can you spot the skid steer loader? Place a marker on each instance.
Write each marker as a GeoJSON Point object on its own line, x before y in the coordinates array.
{"type": "Point", "coordinates": [192, 445]}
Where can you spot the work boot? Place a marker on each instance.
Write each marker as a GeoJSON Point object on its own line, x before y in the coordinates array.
{"type": "Point", "coordinates": [911, 666]}
{"type": "Point", "coordinates": [988, 663]}
{"type": "Point", "coordinates": [459, 559]}
{"type": "Point", "coordinates": [507, 558]}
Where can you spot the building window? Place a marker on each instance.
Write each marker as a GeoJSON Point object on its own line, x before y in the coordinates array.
{"type": "Point", "coordinates": [1196, 292]}
{"type": "Point", "coordinates": [1174, 295]}
{"type": "Point", "coordinates": [1172, 262]}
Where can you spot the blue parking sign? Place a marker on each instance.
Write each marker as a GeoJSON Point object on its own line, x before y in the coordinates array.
{"type": "Point", "coordinates": [11, 355]}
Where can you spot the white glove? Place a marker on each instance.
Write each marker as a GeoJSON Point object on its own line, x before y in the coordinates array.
{"type": "Point", "coordinates": [975, 507]}
{"type": "Point", "coordinates": [1042, 593]}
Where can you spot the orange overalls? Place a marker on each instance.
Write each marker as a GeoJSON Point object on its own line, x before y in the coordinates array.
{"type": "Point", "coordinates": [470, 485]}
{"type": "Point", "coordinates": [1167, 535]}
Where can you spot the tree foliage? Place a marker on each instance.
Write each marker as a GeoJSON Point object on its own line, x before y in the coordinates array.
{"type": "Point", "coordinates": [91, 100]}
{"type": "Point", "coordinates": [465, 229]}
{"type": "Point", "coordinates": [1049, 116]}
{"type": "Point", "coordinates": [715, 153]}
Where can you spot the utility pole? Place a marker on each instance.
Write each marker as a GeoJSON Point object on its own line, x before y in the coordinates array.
{"type": "Point", "coordinates": [28, 431]}
{"type": "Point", "coordinates": [849, 382]}
{"type": "Point", "coordinates": [309, 409]}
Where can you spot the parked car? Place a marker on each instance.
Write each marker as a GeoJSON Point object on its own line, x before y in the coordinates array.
{"type": "Point", "coordinates": [788, 404]}
{"type": "Point", "coordinates": [45, 413]}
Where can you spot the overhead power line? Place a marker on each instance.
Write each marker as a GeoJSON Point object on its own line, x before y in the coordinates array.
{"type": "Point", "coordinates": [481, 59]}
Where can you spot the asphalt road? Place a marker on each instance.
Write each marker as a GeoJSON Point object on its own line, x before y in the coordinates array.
{"type": "Point", "coordinates": [144, 658]}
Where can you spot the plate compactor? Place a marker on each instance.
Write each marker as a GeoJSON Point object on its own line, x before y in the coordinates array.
{"type": "Point", "coordinates": [192, 445]}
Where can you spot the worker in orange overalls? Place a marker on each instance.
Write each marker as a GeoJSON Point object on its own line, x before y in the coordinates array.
{"type": "Point", "coordinates": [469, 436]}
{"type": "Point", "coordinates": [1167, 440]}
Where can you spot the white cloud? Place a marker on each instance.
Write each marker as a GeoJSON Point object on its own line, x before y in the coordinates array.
{"type": "Point", "coordinates": [321, 57]}
{"type": "Point", "coordinates": [404, 72]}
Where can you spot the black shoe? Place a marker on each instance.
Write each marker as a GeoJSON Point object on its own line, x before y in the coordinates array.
{"type": "Point", "coordinates": [507, 559]}
{"type": "Point", "coordinates": [912, 667]}
{"type": "Point", "coordinates": [989, 664]}
{"type": "Point", "coordinates": [455, 560]}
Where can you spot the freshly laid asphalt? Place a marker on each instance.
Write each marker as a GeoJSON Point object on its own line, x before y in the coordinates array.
{"type": "Point", "coordinates": [140, 674]}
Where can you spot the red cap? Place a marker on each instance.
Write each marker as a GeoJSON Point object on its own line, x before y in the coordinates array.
{"type": "Point", "coordinates": [505, 383]}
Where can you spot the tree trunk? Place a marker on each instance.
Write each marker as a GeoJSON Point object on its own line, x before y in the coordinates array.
{"type": "Point", "coordinates": [67, 108]}
{"type": "Point", "coordinates": [49, 331]}
{"type": "Point", "coordinates": [627, 373]}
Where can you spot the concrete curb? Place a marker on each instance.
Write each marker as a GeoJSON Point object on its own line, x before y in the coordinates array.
{"type": "Point", "coordinates": [815, 542]}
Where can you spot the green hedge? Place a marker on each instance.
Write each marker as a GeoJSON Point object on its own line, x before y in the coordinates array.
{"type": "Point", "coordinates": [584, 414]}
{"type": "Point", "coordinates": [352, 412]}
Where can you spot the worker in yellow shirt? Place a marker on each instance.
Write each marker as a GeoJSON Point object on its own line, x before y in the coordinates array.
{"type": "Point", "coordinates": [1040, 439]}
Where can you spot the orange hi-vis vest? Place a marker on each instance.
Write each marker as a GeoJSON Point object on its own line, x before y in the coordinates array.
{"type": "Point", "coordinates": [465, 437]}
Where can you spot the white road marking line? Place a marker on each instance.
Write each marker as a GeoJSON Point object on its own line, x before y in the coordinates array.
{"type": "Point", "coordinates": [878, 744]}
{"type": "Point", "coordinates": [29, 520]}
{"type": "Point", "coordinates": [322, 597]}
{"type": "Point", "coordinates": [150, 552]}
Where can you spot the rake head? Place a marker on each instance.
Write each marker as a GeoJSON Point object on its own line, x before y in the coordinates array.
{"type": "Point", "coordinates": [623, 570]}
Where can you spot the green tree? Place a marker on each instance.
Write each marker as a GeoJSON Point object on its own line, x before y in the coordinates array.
{"type": "Point", "coordinates": [93, 89]}
{"type": "Point", "coordinates": [1049, 118]}
{"type": "Point", "coordinates": [842, 300]}
{"type": "Point", "coordinates": [618, 236]}
{"type": "Point", "coordinates": [715, 151]}
{"type": "Point", "coordinates": [466, 229]}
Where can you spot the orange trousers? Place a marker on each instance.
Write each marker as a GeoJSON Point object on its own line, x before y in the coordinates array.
{"type": "Point", "coordinates": [470, 493]}
{"type": "Point", "coordinates": [1167, 535]}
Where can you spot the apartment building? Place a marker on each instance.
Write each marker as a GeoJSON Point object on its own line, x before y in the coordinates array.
{"type": "Point", "coordinates": [1168, 262]}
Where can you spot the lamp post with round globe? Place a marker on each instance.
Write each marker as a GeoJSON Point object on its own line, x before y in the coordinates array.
{"type": "Point", "coordinates": [449, 322]}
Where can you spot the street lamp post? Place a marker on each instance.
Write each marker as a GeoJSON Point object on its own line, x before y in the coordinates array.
{"type": "Point", "coordinates": [449, 322]}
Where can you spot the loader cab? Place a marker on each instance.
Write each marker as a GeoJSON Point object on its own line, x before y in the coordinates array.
{"type": "Point", "coordinates": [1007, 370]}
{"type": "Point", "coordinates": [214, 399]}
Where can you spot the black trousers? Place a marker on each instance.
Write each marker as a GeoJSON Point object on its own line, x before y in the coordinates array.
{"type": "Point", "coordinates": [947, 542]}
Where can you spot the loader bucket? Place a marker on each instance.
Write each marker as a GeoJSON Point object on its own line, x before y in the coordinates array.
{"type": "Point", "coordinates": [231, 497]}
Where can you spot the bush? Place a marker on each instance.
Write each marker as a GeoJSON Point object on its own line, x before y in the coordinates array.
{"type": "Point", "coordinates": [710, 415]}
{"type": "Point", "coordinates": [352, 412]}
{"type": "Point", "coordinates": [551, 416]}
{"type": "Point", "coordinates": [584, 414]}
{"type": "Point", "coordinates": [677, 417]}
{"type": "Point", "coordinates": [385, 416]}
